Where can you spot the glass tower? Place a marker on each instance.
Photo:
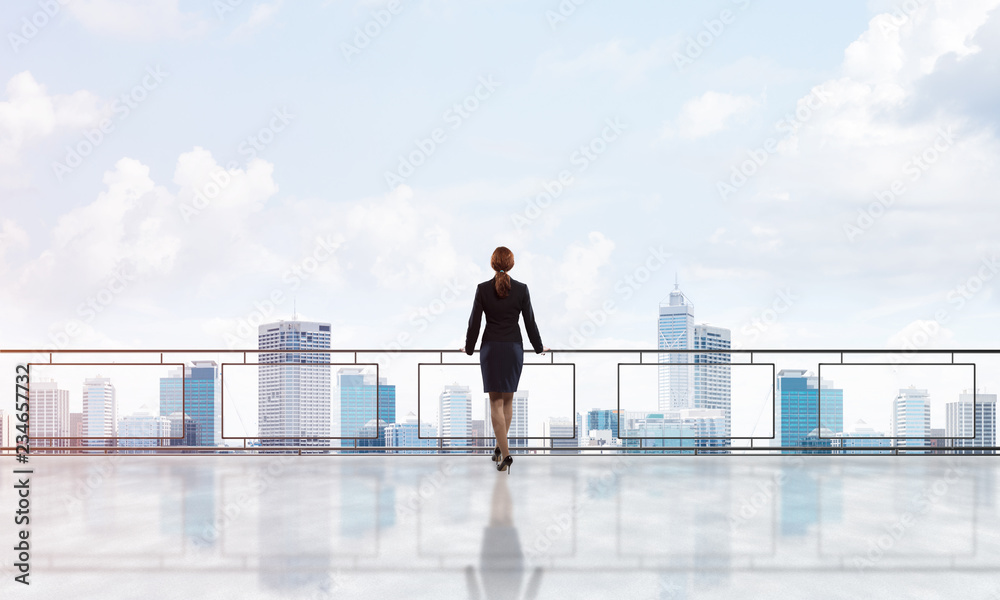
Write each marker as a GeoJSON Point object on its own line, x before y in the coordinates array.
{"type": "Point", "coordinates": [358, 392]}
{"type": "Point", "coordinates": [799, 410]}
{"type": "Point", "coordinates": [194, 398]}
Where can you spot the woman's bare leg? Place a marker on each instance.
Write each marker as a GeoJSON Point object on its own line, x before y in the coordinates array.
{"type": "Point", "coordinates": [499, 422]}
{"type": "Point", "coordinates": [508, 412]}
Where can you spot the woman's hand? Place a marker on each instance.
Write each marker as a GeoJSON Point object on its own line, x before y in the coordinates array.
{"type": "Point", "coordinates": [546, 349]}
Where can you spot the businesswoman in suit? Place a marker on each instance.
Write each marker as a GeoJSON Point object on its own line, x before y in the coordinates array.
{"type": "Point", "coordinates": [501, 355]}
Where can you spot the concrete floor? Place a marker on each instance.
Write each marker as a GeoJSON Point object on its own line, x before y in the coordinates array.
{"type": "Point", "coordinates": [557, 527]}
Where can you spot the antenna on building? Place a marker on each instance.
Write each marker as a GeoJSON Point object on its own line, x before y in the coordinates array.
{"type": "Point", "coordinates": [295, 312]}
{"type": "Point", "coordinates": [677, 284]}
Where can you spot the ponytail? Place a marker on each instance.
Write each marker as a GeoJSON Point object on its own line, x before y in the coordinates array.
{"type": "Point", "coordinates": [502, 262]}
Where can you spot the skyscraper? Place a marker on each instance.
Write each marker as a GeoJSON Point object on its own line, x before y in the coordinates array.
{"type": "Point", "coordinates": [911, 416]}
{"type": "Point", "coordinates": [693, 380]}
{"type": "Point", "coordinates": [455, 413]}
{"type": "Point", "coordinates": [675, 331]}
{"type": "Point", "coordinates": [100, 411]}
{"type": "Point", "coordinates": [712, 376]}
{"type": "Point", "coordinates": [561, 427]}
{"type": "Point", "coordinates": [142, 423]}
{"type": "Point", "coordinates": [49, 414]}
{"type": "Point", "coordinates": [603, 420]}
{"type": "Point", "coordinates": [518, 421]}
{"type": "Point", "coordinates": [798, 407]}
{"type": "Point", "coordinates": [357, 390]}
{"type": "Point", "coordinates": [960, 422]}
{"type": "Point", "coordinates": [193, 392]}
{"type": "Point", "coordinates": [294, 387]}
{"type": "Point", "coordinates": [404, 434]}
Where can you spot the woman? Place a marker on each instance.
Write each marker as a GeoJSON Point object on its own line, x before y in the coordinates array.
{"type": "Point", "coordinates": [501, 355]}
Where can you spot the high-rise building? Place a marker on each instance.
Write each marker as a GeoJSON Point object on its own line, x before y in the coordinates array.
{"type": "Point", "coordinates": [195, 393]}
{"type": "Point", "coordinates": [455, 414]}
{"type": "Point", "coordinates": [911, 416]}
{"type": "Point", "coordinates": [712, 374]}
{"type": "Point", "coordinates": [853, 439]}
{"type": "Point", "coordinates": [693, 380]}
{"type": "Point", "coordinates": [479, 431]}
{"type": "Point", "coordinates": [798, 410]}
{"type": "Point", "coordinates": [404, 435]}
{"type": "Point", "coordinates": [518, 421]}
{"type": "Point", "coordinates": [959, 424]}
{"type": "Point", "coordinates": [76, 430]}
{"type": "Point", "coordinates": [49, 407]}
{"type": "Point", "coordinates": [603, 420]}
{"type": "Point", "coordinates": [183, 430]}
{"type": "Point", "coordinates": [684, 423]}
{"type": "Point", "coordinates": [100, 411]}
{"type": "Point", "coordinates": [561, 427]}
{"type": "Point", "coordinates": [143, 424]}
{"type": "Point", "coordinates": [294, 384]}
{"type": "Point", "coordinates": [675, 330]}
{"type": "Point", "coordinates": [357, 390]}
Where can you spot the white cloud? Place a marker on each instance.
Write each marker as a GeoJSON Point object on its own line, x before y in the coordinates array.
{"type": "Point", "coordinates": [137, 19]}
{"type": "Point", "coordinates": [578, 274]}
{"type": "Point", "coordinates": [712, 112]}
{"type": "Point", "coordinates": [30, 112]}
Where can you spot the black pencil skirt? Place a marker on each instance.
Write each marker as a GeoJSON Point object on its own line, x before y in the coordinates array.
{"type": "Point", "coordinates": [501, 363]}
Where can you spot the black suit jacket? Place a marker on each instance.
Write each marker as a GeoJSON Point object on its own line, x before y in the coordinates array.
{"type": "Point", "coordinates": [501, 316]}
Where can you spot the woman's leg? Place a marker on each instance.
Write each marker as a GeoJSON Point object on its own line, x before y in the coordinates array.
{"type": "Point", "coordinates": [499, 422]}
{"type": "Point", "coordinates": [508, 412]}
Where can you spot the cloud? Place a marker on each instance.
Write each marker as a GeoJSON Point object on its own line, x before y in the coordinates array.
{"type": "Point", "coordinates": [578, 274]}
{"type": "Point", "coordinates": [31, 113]}
{"type": "Point", "coordinates": [137, 19]}
{"type": "Point", "coordinates": [712, 112]}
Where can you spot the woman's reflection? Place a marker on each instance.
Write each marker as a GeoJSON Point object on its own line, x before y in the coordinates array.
{"type": "Point", "coordinates": [501, 569]}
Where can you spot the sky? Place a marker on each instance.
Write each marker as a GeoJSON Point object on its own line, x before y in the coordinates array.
{"type": "Point", "coordinates": [814, 175]}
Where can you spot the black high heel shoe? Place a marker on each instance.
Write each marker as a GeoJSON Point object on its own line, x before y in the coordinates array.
{"type": "Point", "coordinates": [505, 464]}
{"type": "Point", "coordinates": [496, 454]}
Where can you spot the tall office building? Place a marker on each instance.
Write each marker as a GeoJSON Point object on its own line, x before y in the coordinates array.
{"type": "Point", "coordinates": [195, 393]}
{"type": "Point", "coordinates": [294, 385]}
{"type": "Point", "coordinates": [693, 380]}
{"type": "Point", "coordinates": [357, 390]}
{"type": "Point", "coordinates": [455, 414]}
{"type": "Point", "coordinates": [675, 330]}
{"type": "Point", "coordinates": [561, 427]}
{"type": "Point", "coordinates": [49, 407]}
{"type": "Point", "coordinates": [518, 420]}
{"type": "Point", "coordinates": [798, 410]}
{"type": "Point", "coordinates": [76, 430]}
{"type": "Point", "coordinates": [911, 416]}
{"type": "Point", "coordinates": [143, 424]}
{"type": "Point", "coordinates": [405, 435]}
{"type": "Point", "coordinates": [712, 374]}
{"type": "Point", "coordinates": [100, 411]}
{"type": "Point", "coordinates": [964, 422]}
{"type": "Point", "coordinates": [603, 420]}
{"type": "Point", "coordinates": [183, 429]}
{"type": "Point", "coordinates": [852, 439]}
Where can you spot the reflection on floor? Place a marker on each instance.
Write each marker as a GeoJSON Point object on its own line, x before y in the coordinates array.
{"type": "Point", "coordinates": [557, 527]}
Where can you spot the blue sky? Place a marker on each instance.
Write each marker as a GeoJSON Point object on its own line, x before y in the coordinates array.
{"type": "Point", "coordinates": [697, 88]}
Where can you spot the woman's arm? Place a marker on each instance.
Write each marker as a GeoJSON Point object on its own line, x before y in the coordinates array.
{"type": "Point", "coordinates": [529, 323]}
{"type": "Point", "coordinates": [474, 321]}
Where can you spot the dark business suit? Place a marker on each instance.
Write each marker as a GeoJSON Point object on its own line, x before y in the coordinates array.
{"type": "Point", "coordinates": [501, 354]}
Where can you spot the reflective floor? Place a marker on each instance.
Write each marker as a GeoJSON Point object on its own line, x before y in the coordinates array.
{"type": "Point", "coordinates": [557, 527]}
